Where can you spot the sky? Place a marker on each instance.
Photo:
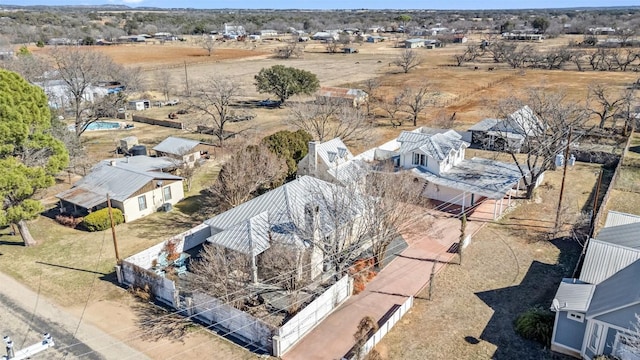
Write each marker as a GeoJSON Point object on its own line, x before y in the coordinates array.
{"type": "Point", "coordinates": [341, 4]}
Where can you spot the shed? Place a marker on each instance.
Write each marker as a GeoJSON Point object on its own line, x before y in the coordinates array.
{"type": "Point", "coordinates": [139, 105]}
{"type": "Point", "coordinates": [413, 43]}
{"type": "Point", "coordinates": [349, 50]}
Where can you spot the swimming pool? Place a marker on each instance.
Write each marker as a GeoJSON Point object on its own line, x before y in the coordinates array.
{"type": "Point", "coordinates": [101, 125]}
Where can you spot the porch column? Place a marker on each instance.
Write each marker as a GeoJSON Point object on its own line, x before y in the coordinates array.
{"type": "Point", "coordinates": [464, 194]}
{"type": "Point", "coordinates": [502, 198]}
{"type": "Point", "coordinates": [495, 207]}
{"type": "Point", "coordinates": [509, 203]}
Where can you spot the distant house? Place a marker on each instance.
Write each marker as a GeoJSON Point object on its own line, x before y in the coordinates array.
{"type": "Point", "coordinates": [139, 105]}
{"type": "Point", "coordinates": [137, 185]}
{"type": "Point", "coordinates": [6, 54]}
{"type": "Point", "coordinates": [459, 38]}
{"type": "Point", "coordinates": [508, 133]}
{"type": "Point", "coordinates": [185, 150]}
{"type": "Point", "coordinates": [267, 33]}
{"type": "Point", "coordinates": [59, 97]}
{"type": "Point", "coordinates": [414, 43]}
{"type": "Point", "coordinates": [352, 97]}
{"type": "Point", "coordinates": [432, 44]}
{"type": "Point", "coordinates": [519, 36]}
{"type": "Point", "coordinates": [233, 31]}
{"type": "Point", "coordinates": [596, 313]}
{"type": "Point", "coordinates": [375, 39]}
{"type": "Point", "coordinates": [349, 50]}
{"type": "Point", "coordinates": [325, 36]}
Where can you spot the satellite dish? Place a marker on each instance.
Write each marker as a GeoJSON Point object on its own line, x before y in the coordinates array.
{"type": "Point", "coordinates": [555, 305]}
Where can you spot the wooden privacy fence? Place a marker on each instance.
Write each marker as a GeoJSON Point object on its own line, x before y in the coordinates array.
{"type": "Point", "coordinates": [165, 123]}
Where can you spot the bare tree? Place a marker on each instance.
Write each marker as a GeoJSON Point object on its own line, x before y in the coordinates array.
{"type": "Point", "coordinates": [371, 86]}
{"type": "Point", "coordinates": [223, 274]}
{"type": "Point", "coordinates": [393, 106]}
{"type": "Point", "coordinates": [328, 119]}
{"type": "Point", "coordinates": [471, 53]}
{"type": "Point", "coordinates": [238, 182]}
{"type": "Point", "coordinates": [606, 103]}
{"type": "Point", "coordinates": [213, 99]}
{"type": "Point", "coordinates": [416, 100]}
{"type": "Point", "coordinates": [292, 49]}
{"type": "Point", "coordinates": [208, 43]}
{"type": "Point", "coordinates": [283, 265]}
{"type": "Point", "coordinates": [544, 131]}
{"type": "Point", "coordinates": [164, 82]}
{"type": "Point", "coordinates": [408, 60]}
{"type": "Point", "coordinates": [81, 71]}
{"type": "Point", "coordinates": [366, 328]}
{"type": "Point", "coordinates": [332, 46]}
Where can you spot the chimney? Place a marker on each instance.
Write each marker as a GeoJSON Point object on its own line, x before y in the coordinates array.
{"type": "Point", "coordinates": [313, 157]}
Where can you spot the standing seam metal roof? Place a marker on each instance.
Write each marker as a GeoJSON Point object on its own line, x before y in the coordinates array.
{"type": "Point", "coordinates": [615, 218]}
{"type": "Point", "coordinates": [621, 289]}
{"type": "Point", "coordinates": [176, 146]}
{"type": "Point", "coordinates": [604, 259]}
{"type": "Point", "coordinates": [574, 296]}
{"type": "Point", "coordinates": [625, 235]}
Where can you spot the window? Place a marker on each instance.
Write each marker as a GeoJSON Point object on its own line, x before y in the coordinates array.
{"type": "Point", "coordinates": [423, 160]}
{"type": "Point", "coordinates": [142, 202]}
{"type": "Point", "coordinates": [167, 193]}
{"type": "Point", "coordinates": [594, 340]}
{"type": "Point", "coordinates": [575, 316]}
{"type": "Point", "coordinates": [416, 159]}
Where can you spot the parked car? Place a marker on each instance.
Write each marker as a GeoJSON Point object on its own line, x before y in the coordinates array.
{"type": "Point", "coordinates": [270, 103]}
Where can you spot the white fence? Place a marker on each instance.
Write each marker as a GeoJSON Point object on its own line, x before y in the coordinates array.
{"type": "Point", "coordinates": [387, 326]}
{"type": "Point", "coordinates": [232, 321]}
{"type": "Point", "coordinates": [298, 326]}
{"type": "Point", "coordinates": [162, 289]}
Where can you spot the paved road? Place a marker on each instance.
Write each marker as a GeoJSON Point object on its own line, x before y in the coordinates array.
{"type": "Point", "coordinates": [18, 320]}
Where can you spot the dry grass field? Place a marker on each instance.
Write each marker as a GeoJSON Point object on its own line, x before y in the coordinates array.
{"type": "Point", "coordinates": [505, 271]}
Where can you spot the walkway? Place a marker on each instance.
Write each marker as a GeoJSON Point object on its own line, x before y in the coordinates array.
{"type": "Point", "coordinates": [405, 276]}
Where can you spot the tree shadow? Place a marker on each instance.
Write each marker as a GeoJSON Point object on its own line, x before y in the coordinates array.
{"type": "Point", "coordinates": [538, 287]}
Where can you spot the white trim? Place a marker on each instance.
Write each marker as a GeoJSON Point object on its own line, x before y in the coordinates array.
{"type": "Point", "coordinates": [614, 309]}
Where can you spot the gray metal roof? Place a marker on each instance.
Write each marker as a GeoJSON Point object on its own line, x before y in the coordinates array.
{"type": "Point", "coordinates": [176, 146]}
{"type": "Point", "coordinates": [334, 147]}
{"type": "Point", "coordinates": [484, 177]}
{"type": "Point", "coordinates": [249, 237]}
{"type": "Point", "coordinates": [574, 295]}
{"type": "Point", "coordinates": [437, 145]}
{"type": "Point", "coordinates": [287, 214]}
{"type": "Point", "coordinates": [484, 125]}
{"type": "Point", "coordinates": [142, 163]}
{"type": "Point", "coordinates": [350, 171]}
{"type": "Point", "coordinates": [118, 181]}
{"type": "Point", "coordinates": [620, 290]}
{"type": "Point", "coordinates": [604, 259]}
{"type": "Point", "coordinates": [615, 218]}
{"type": "Point", "coordinates": [626, 235]}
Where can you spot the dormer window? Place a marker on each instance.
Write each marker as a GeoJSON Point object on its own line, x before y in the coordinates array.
{"type": "Point", "coordinates": [419, 159]}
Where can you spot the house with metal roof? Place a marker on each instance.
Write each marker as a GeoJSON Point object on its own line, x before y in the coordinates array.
{"type": "Point", "coordinates": [136, 185]}
{"type": "Point", "coordinates": [596, 313]}
{"type": "Point", "coordinates": [508, 133]}
{"type": "Point", "coordinates": [299, 214]}
{"type": "Point", "coordinates": [414, 43]}
{"type": "Point", "coordinates": [187, 151]}
{"type": "Point", "coordinates": [437, 157]}
{"type": "Point", "coordinates": [331, 161]}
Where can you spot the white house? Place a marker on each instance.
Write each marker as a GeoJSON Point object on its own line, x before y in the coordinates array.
{"type": "Point", "coordinates": [136, 185]}
{"type": "Point", "coordinates": [414, 43]}
{"type": "Point", "coordinates": [331, 161]}
{"type": "Point", "coordinates": [59, 96]}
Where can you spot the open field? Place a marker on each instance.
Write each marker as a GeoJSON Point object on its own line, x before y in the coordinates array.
{"type": "Point", "coordinates": [508, 267]}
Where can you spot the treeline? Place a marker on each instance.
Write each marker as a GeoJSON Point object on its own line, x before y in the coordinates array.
{"type": "Point", "coordinates": [30, 25]}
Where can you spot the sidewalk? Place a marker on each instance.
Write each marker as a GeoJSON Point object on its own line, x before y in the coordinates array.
{"type": "Point", "coordinates": [405, 276]}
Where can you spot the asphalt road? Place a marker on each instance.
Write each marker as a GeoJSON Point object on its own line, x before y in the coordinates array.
{"type": "Point", "coordinates": [26, 326]}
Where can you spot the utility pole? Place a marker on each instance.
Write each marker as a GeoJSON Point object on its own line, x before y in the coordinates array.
{"type": "Point", "coordinates": [113, 229]}
{"type": "Point", "coordinates": [564, 174]}
{"type": "Point", "coordinates": [186, 78]}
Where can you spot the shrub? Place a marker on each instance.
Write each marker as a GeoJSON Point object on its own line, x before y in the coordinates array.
{"type": "Point", "coordinates": [536, 324]}
{"type": "Point", "coordinates": [99, 220]}
{"type": "Point", "coordinates": [68, 220]}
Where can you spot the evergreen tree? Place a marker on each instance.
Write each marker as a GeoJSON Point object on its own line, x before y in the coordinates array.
{"type": "Point", "coordinates": [29, 155]}
{"type": "Point", "coordinates": [284, 82]}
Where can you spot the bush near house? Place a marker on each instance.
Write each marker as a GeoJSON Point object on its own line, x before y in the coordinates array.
{"type": "Point", "coordinates": [99, 220]}
{"type": "Point", "coordinates": [536, 324]}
